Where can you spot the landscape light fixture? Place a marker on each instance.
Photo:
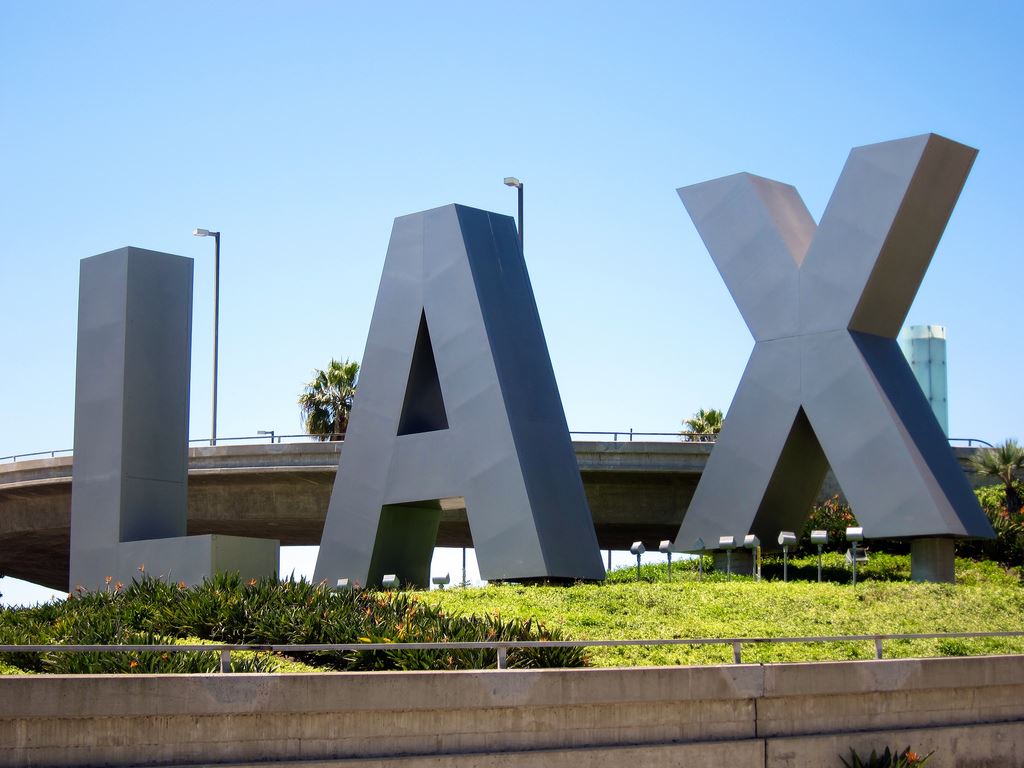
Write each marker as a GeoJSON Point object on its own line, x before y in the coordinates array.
{"type": "Point", "coordinates": [638, 549]}
{"type": "Point", "coordinates": [390, 581]}
{"type": "Point", "coordinates": [666, 547]}
{"type": "Point", "coordinates": [442, 581]}
{"type": "Point", "coordinates": [853, 535]}
{"type": "Point", "coordinates": [699, 549]}
{"type": "Point", "coordinates": [266, 432]}
{"type": "Point", "coordinates": [821, 539]}
{"type": "Point", "coordinates": [216, 317]}
{"type": "Point", "coordinates": [786, 540]}
{"type": "Point", "coordinates": [751, 542]}
{"type": "Point", "coordinates": [344, 585]}
{"type": "Point", "coordinates": [512, 181]}
{"type": "Point", "coordinates": [728, 543]}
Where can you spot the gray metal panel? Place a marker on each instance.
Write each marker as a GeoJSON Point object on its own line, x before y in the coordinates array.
{"type": "Point", "coordinates": [193, 558]}
{"type": "Point", "coordinates": [130, 473]}
{"type": "Point", "coordinates": [740, 468]}
{"type": "Point", "coordinates": [99, 415]}
{"type": "Point", "coordinates": [757, 232]}
{"type": "Point", "coordinates": [888, 450]}
{"type": "Point", "coordinates": [834, 384]}
{"type": "Point", "coordinates": [879, 232]}
{"type": "Point", "coordinates": [506, 449]}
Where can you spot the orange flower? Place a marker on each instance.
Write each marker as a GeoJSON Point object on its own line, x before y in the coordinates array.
{"type": "Point", "coordinates": [141, 568]}
{"type": "Point", "coordinates": [108, 579]}
{"type": "Point", "coordinates": [182, 585]}
{"type": "Point", "coordinates": [118, 587]}
{"type": "Point", "coordinates": [252, 582]}
{"type": "Point", "coordinates": [912, 757]}
{"type": "Point", "coordinates": [133, 664]}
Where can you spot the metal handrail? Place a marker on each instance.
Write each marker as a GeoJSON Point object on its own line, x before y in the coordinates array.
{"type": "Point", "coordinates": [970, 441]}
{"type": "Point", "coordinates": [502, 647]}
{"type": "Point", "coordinates": [627, 435]}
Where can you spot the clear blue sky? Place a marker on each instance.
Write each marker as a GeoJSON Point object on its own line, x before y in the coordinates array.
{"type": "Point", "coordinates": [300, 130]}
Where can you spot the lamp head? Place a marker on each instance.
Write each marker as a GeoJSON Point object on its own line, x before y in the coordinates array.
{"type": "Point", "coordinates": [855, 534]}
{"type": "Point", "coordinates": [512, 181]}
{"type": "Point", "coordinates": [442, 580]}
{"type": "Point", "coordinates": [787, 538]}
{"type": "Point", "coordinates": [665, 546]}
{"type": "Point", "coordinates": [201, 232]}
{"type": "Point", "coordinates": [638, 548]}
{"type": "Point", "coordinates": [750, 541]}
{"type": "Point", "coordinates": [819, 537]}
{"type": "Point", "coordinates": [727, 542]}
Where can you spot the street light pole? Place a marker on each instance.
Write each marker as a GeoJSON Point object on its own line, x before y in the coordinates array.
{"type": "Point", "coordinates": [512, 181]}
{"type": "Point", "coordinates": [216, 318]}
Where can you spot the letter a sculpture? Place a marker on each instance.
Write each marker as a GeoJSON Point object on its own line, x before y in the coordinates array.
{"type": "Point", "coordinates": [826, 382]}
{"type": "Point", "coordinates": [457, 398]}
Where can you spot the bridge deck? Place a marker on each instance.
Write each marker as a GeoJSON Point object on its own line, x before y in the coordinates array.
{"type": "Point", "coordinates": [636, 490]}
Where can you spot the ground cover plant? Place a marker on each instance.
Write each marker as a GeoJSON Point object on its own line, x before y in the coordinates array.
{"type": "Point", "coordinates": [987, 597]}
{"type": "Point", "coordinates": [265, 612]}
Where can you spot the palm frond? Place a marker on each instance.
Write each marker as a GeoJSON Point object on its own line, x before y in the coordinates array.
{"type": "Point", "coordinates": [327, 399]}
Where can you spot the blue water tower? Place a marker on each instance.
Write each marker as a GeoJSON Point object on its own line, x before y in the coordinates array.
{"type": "Point", "coordinates": [924, 346]}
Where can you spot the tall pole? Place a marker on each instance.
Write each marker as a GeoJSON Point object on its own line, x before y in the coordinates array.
{"type": "Point", "coordinates": [521, 216]}
{"type": "Point", "coordinates": [216, 328]}
{"type": "Point", "coordinates": [512, 181]}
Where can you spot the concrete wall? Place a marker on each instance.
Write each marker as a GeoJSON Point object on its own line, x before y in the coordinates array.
{"type": "Point", "coordinates": [970, 710]}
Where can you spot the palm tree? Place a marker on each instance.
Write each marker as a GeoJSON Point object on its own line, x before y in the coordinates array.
{"type": "Point", "coordinates": [327, 400]}
{"type": "Point", "coordinates": [1001, 462]}
{"type": "Point", "coordinates": [703, 426]}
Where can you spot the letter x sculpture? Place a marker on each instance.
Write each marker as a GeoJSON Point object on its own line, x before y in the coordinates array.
{"type": "Point", "coordinates": [826, 382]}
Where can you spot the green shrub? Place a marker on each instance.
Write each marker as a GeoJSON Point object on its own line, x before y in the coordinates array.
{"type": "Point", "coordinates": [887, 759]}
{"type": "Point", "coordinates": [1008, 546]}
{"type": "Point", "coordinates": [263, 612]}
{"type": "Point", "coordinates": [833, 516]}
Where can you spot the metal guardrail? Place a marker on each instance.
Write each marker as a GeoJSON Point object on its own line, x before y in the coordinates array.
{"type": "Point", "coordinates": [500, 647]}
{"type": "Point", "coordinates": [970, 441]}
{"type": "Point", "coordinates": [626, 435]}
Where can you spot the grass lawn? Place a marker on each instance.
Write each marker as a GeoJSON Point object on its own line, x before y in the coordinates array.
{"type": "Point", "coordinates": [986, 598]}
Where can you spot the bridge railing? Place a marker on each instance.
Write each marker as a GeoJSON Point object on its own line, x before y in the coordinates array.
{"type": "Point", "coordinates": [625, 435]}
{"type": "Point", "coordinates": [501, 648]}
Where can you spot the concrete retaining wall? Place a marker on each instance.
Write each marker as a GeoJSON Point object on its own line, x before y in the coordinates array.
{"type": "Point", "coordinates": [971, 710]}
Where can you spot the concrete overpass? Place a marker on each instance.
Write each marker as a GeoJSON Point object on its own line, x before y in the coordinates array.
{"type": "Point", "coordinates": [636, 490]}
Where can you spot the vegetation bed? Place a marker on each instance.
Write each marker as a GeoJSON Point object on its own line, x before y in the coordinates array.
{"type": "Point", "coordinates": [225, 610]}
{"type": "Point", "coordinates": [986, 598]}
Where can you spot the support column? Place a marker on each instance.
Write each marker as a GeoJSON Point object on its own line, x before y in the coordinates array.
{"type": "Point", "coordinates": [932, 560]}
{"type": "Point", "coordinates": [742, 562]}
